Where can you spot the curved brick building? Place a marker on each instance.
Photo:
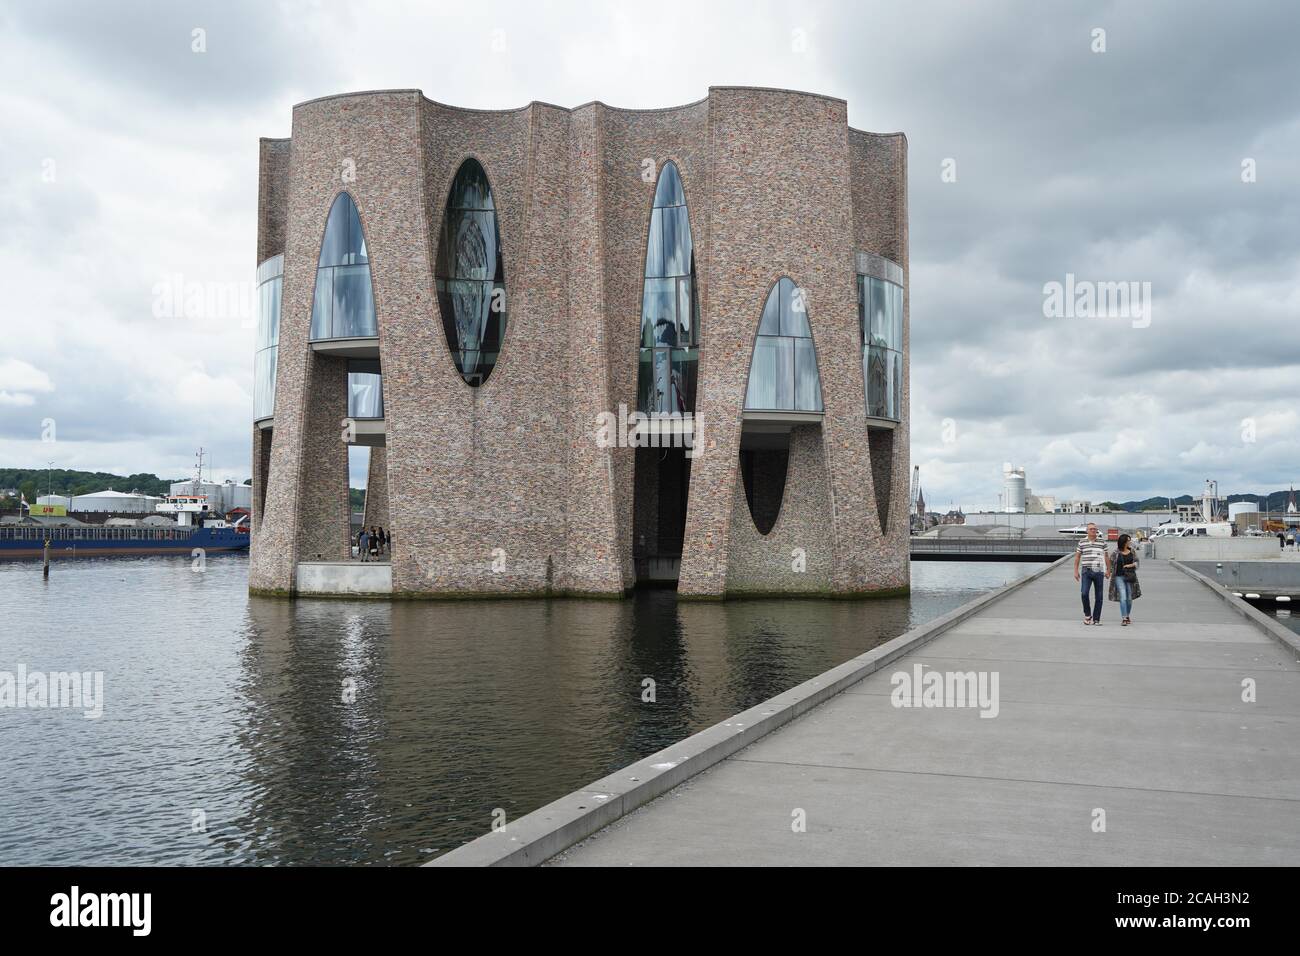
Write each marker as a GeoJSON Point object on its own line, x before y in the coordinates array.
{"type": "Point", "coordinates": [588, 348]}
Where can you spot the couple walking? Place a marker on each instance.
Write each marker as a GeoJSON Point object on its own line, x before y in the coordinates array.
{"type": "Point", "coordinates": [1092, 559]}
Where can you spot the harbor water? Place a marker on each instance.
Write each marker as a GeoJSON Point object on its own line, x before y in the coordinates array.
{"type": "Point", "coordinates": [238, 730]}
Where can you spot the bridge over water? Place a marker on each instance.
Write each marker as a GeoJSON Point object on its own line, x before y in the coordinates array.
{"type": "Point", "coordinates": [1175, 741]}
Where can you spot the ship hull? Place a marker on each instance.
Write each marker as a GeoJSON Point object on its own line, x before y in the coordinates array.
{"type": "Point", "coordinates": [100, 545]}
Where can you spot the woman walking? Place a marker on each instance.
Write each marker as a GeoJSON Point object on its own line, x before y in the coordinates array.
{"type": "Point", "coordinates": [374, 544]}
{"type": "Point", "coordinates": [1124, 586]}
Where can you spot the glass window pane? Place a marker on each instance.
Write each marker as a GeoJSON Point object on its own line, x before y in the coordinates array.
{"type": "Point", "coordinates": [355, 253]}
{"type": "Point", "coordinates": [470, 189]}
{"type": "Point", "coordinates": [771, 375]}
{"type": "Point", "coordinates": [365, 395]}
{"type": "Point", "coordinates": [676, 241]}
{"type": "Point", "coordinates": [875, 363]}
{"type": "Point", "coordinates": [471, 246]}
{"type": "Point", "coordinates": [320, 306]}
{"type": "Point", "coordinates": [685, 363]}
{"type": "Point", "coordinates": [334, 245]}
{"type": "Point", "coordinates": [896, 386]}
{"type": "Point", "coordinates": [807, 390]}
{"type": "Point", "coordinates": [659, 312]}
{"type": "Point", "coordinates": [276, 287]}
{"type": "Point", "coordinates": [771, 322]}
{"type": "Point", "coordinates": [669, 191]}
{"type": "Point", "coordinates": [661, 399]}
{"type": "Point", "coordinates": [654, 251]}
{"type": "Point", "coordinates": [896, 340]}
{"type": "Point", "coordinates": [685, 334]}
{"type": "Point", "coordinates": [263, 316]}
{"type": "Point", "coordinates": [645, 381]}
{"type": "Point", "coordinates": [354, 308]}
{"type": "Point", "coordinates": [879, 304]}
{"type": "Point", "coordinates": [794, 318]}
{"type": "Point", "coordinates": [862, 308]}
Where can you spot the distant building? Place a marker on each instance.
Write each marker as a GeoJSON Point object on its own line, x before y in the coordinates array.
{"type": "Point", "coordinates": [222, 496]}
{"type": "Point", "coordinates": [953, 517]}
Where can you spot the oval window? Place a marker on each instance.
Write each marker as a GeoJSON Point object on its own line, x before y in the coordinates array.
{"type": "Point", "coordinates": [471, 278]}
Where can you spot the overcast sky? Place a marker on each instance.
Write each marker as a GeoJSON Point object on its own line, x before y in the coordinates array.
{"type": "Point", "coordinates": [129, 162]}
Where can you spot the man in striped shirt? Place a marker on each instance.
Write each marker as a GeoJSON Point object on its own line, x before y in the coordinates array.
{"type": "Point", "coordinates": [1090, 555]}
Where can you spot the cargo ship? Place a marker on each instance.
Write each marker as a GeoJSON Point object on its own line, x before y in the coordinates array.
{"type": "Point", "coordinates": [195, 529]}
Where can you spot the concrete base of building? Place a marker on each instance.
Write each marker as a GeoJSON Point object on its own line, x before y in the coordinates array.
{"type": "Point", "coordinates": [346, 578]}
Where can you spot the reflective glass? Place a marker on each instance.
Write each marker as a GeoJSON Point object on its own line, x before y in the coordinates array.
{"type": "Point", "coordinates": [771, 321]}
{"type": "Point", "coordinates": [471, 275]}
{"type": "Point", "coordinates": [783, 374]}
{"type": "Point", "coordinates": [685, 364]}
{"type": "Point", "coordinates": [771, 374]}
{"type": "Point", "coordinates": [669, 191]}
{"type": "Point", "coordinates": [470, 189]}
{"type": "Point", "coordinates": [365, 395]}
{"type": "Point", "coordinates": [344, 243]}
{"type": "Point", "coordinates": [896, 337]}
{"type": "Point", "coordinates": [669, 305]}
{"type": "Point", "coordinates": [684, 330]}
{"type": "Point", "coordinates": [794, 310]}
{"type": "Point", "coordinates": [354, 306]}
{"type": "Point", "coordinates": [264, 366]}
{"type": "Point", "coordinates": [676, 241]}
{"type": "Point", "coordinates": [654, 250]}
{"type": "Point", "coordinates": [880, 321]}
{"type": "Point", "coordinates": [807, 381]}
{"type": "Point", "coordinates": [658, 312]}
{"type": "Point", "coordinates": [320, 306]}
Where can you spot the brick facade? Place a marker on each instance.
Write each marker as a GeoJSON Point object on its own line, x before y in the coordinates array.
{"type": "Point", "coordinates": [503, 489]}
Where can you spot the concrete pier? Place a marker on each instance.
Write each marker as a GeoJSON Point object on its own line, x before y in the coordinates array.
{"type": "Point", "coordinates": [1111, 746]}
{"type": "Point", "coordinates": [1145, 723]}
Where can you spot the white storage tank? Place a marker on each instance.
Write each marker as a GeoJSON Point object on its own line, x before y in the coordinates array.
{"type": "Point", "coordinates": [1013, 489]}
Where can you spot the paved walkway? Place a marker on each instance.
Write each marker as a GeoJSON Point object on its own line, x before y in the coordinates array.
{"type": "Point", "coordinates": [1146, 723]}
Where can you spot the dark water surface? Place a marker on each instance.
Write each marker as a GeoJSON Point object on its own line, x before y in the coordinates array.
{"type": "Point", "coordinates": [234, 706]}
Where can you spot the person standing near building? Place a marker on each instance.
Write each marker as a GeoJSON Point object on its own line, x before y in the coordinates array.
{"type": "Point", "coordinates": [363, 542]}
{"type": "Point", "coordinates": [1092, 559]}
{"type": "Point", "coordinates": [381, 539]}
{"type": "Point", "coordinates": [374, 544]}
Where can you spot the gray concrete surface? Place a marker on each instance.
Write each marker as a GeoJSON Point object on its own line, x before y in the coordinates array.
{"type": "Point", "coordinates": [334, 578]}
{"type": "Point", "coordinates": [1145, 723]}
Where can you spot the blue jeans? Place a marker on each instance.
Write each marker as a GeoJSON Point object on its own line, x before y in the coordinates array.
{"type": "Point", "coordinates": [1125, 601]}
{"type": "Point", "coordinates": [1091, 579]}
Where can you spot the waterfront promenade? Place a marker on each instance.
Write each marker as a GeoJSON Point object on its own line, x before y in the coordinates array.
{"type": "Point", "coordinates": [1145, 723]}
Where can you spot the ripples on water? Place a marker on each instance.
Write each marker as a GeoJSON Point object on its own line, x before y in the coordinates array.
{"type": "Point", "coordinates": [233, 705]}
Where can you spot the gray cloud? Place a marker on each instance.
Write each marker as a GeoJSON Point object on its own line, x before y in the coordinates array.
{"type": "Point", "coordinates": [1118, 166]}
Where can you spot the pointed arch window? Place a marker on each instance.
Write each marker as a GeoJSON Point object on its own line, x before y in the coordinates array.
{"type": "Point", "coordinates": [783, 374]}
{"type": "Point", "coordinates": [670, 332]}
{"type": "Point", "coordinates": [471, 277]}
{"type": "Point", "coordinates": [343, 306]}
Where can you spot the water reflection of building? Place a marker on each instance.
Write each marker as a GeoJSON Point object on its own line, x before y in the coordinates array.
{"type": "Point", "coordinates": [468, 292]}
